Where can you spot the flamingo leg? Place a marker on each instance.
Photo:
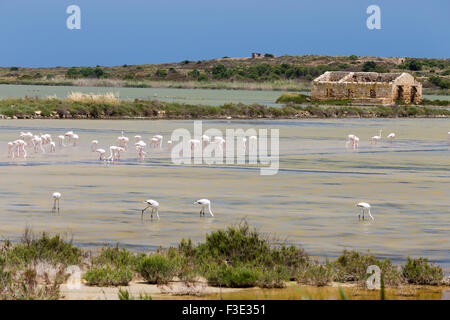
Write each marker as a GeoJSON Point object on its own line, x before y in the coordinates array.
{"type": "Point", "coordinates": [142, 215]}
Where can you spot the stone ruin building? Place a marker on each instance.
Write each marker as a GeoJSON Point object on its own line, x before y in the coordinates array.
{"type": "Point", "coordinates": [367, 88]}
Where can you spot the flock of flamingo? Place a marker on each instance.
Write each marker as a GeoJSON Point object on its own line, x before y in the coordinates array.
{"type": "Point", "coordinates": [353, 140]}
{"type": "Point", "coordinates": [17, 148]}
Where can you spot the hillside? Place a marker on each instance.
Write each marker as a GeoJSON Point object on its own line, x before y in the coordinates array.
{"type": "Point", "coordinates": [283, 73]}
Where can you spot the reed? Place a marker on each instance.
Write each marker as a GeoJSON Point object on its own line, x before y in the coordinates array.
{"type": "Point", "coordinates": [109, 97]}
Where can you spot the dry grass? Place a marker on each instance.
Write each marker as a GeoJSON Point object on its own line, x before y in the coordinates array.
{"type": "Point", "coordinates": [109, 97]}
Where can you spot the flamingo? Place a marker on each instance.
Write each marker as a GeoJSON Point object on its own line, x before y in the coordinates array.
{"type": "Point", "coordinates": [205, 139]}
{"type": "Point", "coordinates": [137, 138]}
{"type": "Point", "coordinates": [364, 206]}
{"type": "Point", "coordinates": [375, 139]}
{"type": "Point", "coordinates": [118, 151]}
{"type": "Point", "coordinates": [151, 204]}
{"type": "Point", "coordinates": [52, 147]}
{"type": "Point", "coordinates": [94, 145]}
{"type": "Point", "coordinates": [220, 141]}
{"type": "Point", "coordinates": [194, 143]}
{"type": "Point", "coordinates": [69, 134]}
{"type": "Point", "coordinates": [204, 203]}
{"type": "Point", "coordinates": [56, 197]}
{"type": "Point", "coordinates": [75, 140]}
{"type": "Point", "coordinates": [244, 143]}
{"type": "Point", "coordinates": [140, 146]}
{"type": "Point", "coordinates": [123, 141]}
{"type": "Point", "coordinates": [19, 148]}
{"type": "Point", "coordinates": [61, 141]}
{"type": "Point", "coordinates": [350, 141]}
{"type": "Point", "coordinates": [153, 142]}
{"type": "Point", "coordinates": [355, 142]}
{"type": "Point", "coordinates": [160, 139]}
{"type": "Point", "coordinates": [26, 135]}
{"type": "Point", "coordinates": [391, 136]}
{"type": "Point", "coordinates": [37, 142]}
{"type": "Point", "coordinates": [10, 149]}
{"type": "Point", "coordinates": [112, 153]}
{"type": "Point", "coordinates": [101, 152]}
{"type": "Point", "coordinates": [46, 138]}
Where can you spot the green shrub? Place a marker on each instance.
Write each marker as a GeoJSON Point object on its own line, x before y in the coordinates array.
{"type": "Point", "coordinates": [232, 277]}
{"type": "Point", "coordinates": [161, 73]}
{"type": "Point", "coordinates": [49, 249]}
{"type": "Point", "coordinates": [156, 268]}
{"type": "Point", "coordinates": [316, 275]}
{"type": "Point", "coordinates": [107, 276]}
{"type": "Point", "coordinates": [419, 271]}
{"type": "Point", "coordinates": [119, 258]}
{"type": "Point", "coordinates": [293, 97]}
{"type": "Point", "coordinates": [352, 266]}
{"type": "Point", "coordinates": [274, 278]}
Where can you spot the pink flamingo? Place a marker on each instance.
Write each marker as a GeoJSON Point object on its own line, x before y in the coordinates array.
{"type": "Point", "coordinates": [61, 141]}
{"type": "Point", "coordinates": [69, 134]}
{"type": "Point", "coordinates": [194, 143]}
{"type": "Point", "coordinates": [19, 148]}
{"type": "Point", "coordinates": [52, 147]}
{"type": "Point", "coordinates": [159, 140]}
{"type": "Point", "coordinates": [375, 139]}
{"type": "Point", "coordinates": [75, 140]}
{"type": "Point", "coordinates": [391, 136]}
{"type": "Point", "coordinates": [10, 149]}
{"type": "Point", "coordinates": [123, 141]}
{"type": "Point", "coordinates": [140, 146]}
{"type": "Point", "coordinates": [101, 152]}
{"type": "Point", "coordinates": [37, 143]}
{"type": "Point", "coordinates": [94, 145]}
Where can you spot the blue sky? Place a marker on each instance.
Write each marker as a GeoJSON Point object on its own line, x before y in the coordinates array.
{"type": "Point", "coordinates": [33, 33]}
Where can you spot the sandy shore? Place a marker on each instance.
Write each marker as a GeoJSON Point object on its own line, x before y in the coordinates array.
{"type": "Point", "coordinates": [174, 290]}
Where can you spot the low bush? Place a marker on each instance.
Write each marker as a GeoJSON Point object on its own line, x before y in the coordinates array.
{"type": "Point", "coordinates": [30, 250]}
{"type": "Point", "coordinates": [156, 268]}
{"type": "Point", "coordinates": [232, 277]}
{"type": "Point", "coordinates": [352, 266]}
{"type": "Point", "coordinates": [419, 271]}
{"type": "Point", "coordinates": [316, 275]}
{"type": "Point", "coordinates": [107, 276]}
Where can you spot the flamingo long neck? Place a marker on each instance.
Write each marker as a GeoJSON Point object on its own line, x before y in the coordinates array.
{"type": "Point", "coordinates": [368, 211]}
{"type": "Point", "coordinates": [209, 210]}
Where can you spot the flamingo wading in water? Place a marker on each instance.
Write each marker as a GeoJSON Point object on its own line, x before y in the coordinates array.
{"type": "Point", "coordinates": [204, 203]}
{"type": "Point", "coordinates": [151, 204]}
{"type": "Point", "coordinates": [56, 197]}
{"type": "Point", "coordinates": [375, 139]}
{"type": "Point", "coordinates": [364, 206]}
{"type": "Point", "coordinates": [391, 137]}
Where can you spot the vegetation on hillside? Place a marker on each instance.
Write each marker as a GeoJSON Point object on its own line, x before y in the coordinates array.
{"type": "Point", "coordinates": [433, 73]}
{"type": "Point", "coordinates": [93, 107]}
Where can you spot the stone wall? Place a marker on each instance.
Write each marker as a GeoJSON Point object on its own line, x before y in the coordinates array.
{"type": "Point", "coordinates": [378, 93]}
{"type": "Point", "coordinates": [367, 88]}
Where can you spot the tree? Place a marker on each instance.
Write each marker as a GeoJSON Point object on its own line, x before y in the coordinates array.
{"type": "Point", "coordinates": [414, 65]}
{"type": "Point", "coordinates": [161, 73]}
{"type": "Point", "coordinates": [369, 66]}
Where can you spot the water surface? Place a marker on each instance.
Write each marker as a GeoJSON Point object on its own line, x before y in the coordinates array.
{"type": "Point", "coordinates": [310, 202]}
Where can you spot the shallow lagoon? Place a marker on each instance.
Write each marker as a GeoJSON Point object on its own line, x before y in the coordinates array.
{"type": "Point", "coordinates": [310, 202]}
